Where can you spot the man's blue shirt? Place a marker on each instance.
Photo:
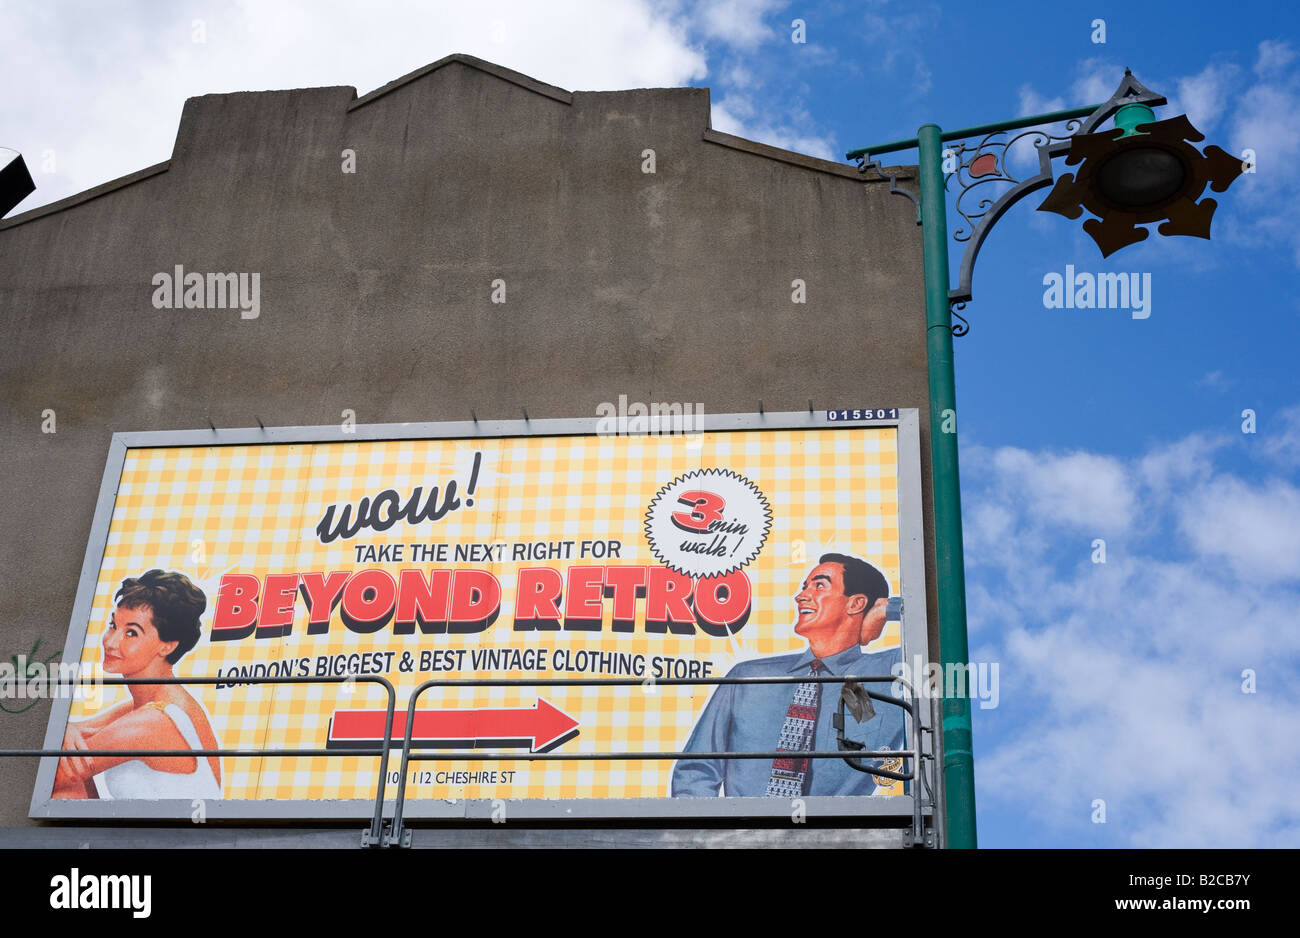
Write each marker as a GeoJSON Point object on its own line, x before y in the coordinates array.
{"type": "Point", "coordinates": [749, 717]}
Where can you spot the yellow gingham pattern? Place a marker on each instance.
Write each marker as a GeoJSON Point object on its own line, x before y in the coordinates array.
{"type": "Point", "coordinates": [254, 509]}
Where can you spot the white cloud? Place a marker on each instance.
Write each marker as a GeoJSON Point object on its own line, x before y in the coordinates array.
{"type": "Point", "coordinates": [1169, 469]}
{"type": "Point", "coordinates": [1254, 529]}
{"type": "Point", "coordinates": [103, 86]}
{"type": "Point", "coordinates": [741, 27]}
{"type": "Point", "coordinates": [1095, 81]}
{"type": "Point", "coordinates": [1270, 197]}
{"type": "Point", "coordinates": [1080, 490]}
{"type": "Point", "coordinates": [738, 23]}
{"type": "Point", "coordinates": [1276, 142]}
{"type": "Point", "coordinates": [898, 33]}
{"type": "Point", "coordinates": [1123, 680]}
{"type": "Point", "coordinates": [1275, 55]}
{"type": "Point", "coordinates": [1203, 96]}
{"type": "Point", "coordinates": [740, 78]}
{"type": "Point", "coordinates": [99, 121]}
{"type": "Point", "coordinates": [1280, 437]}
{"type": "Point", "coordinates": [735, 115]}
{"type": "Point", "coordinates": [1031, 102]}
{"type": "Point", "coordinates": [1215, 381]}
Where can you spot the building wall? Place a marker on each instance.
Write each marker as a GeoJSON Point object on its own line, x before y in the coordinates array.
{"type": "Point", "coordinates": [376, 291]}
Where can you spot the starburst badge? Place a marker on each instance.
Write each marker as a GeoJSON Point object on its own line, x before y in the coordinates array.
{"type": "Point", "coordinates": [708, 522]}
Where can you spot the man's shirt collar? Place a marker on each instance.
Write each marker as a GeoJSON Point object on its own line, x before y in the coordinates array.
{"type": "Point", "coordinates": [841, 662]}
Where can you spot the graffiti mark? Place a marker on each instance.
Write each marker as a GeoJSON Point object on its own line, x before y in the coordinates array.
{"type": "Point", "coordinates": [32, 666]}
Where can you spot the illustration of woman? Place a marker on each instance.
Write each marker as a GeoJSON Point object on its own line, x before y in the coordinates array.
{"type": "Point", "coordinates": [156, 622]}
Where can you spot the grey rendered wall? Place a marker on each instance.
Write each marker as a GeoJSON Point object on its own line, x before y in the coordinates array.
{"type": "Point", "coordinates": [376, 291]}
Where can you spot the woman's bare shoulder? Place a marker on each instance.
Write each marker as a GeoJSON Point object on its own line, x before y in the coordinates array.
{"type": "Point", "coordinates": [198, 716]}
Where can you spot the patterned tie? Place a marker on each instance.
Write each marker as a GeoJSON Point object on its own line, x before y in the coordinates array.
{"type": "Point", "coordinates": [791, 778]}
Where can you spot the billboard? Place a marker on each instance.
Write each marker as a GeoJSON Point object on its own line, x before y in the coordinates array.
{"type": "Point", "coordinates": [753, 545]}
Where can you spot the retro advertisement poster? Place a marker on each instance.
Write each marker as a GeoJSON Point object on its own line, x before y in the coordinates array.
{"type": "Point", "coordinates": [732, 545]}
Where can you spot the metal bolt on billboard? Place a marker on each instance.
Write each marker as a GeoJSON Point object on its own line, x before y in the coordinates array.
{"type": "Point", "coordinates": [751, 545]}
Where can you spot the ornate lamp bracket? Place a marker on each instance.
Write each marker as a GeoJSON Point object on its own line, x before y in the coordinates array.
{"type": "Point", "coordinates": [864, 164]}
{"type": "Point", "coordinates": [987, 186]}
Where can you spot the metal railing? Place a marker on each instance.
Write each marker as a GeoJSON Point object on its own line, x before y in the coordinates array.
{"type": "Point", "coordinates": [396, 834]}
{"type": "Point", "coordinates": [373, 837]}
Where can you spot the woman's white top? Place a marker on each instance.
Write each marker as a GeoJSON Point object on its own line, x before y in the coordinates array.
{"type": "Point", "coordinates": [134, 779]}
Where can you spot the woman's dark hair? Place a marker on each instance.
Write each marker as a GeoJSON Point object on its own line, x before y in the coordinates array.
{"type": "Point", "coordinates": [175, 602]}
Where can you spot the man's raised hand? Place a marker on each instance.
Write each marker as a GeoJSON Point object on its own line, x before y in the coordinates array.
{"type": "Point", "coordinates": [873, 622]}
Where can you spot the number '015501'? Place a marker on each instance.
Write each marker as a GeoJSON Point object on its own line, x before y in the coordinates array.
{"type": "Point", "coordinates": [878, 413]}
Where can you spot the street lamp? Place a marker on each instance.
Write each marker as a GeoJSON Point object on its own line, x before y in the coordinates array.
{"type": "Point", "coordinates": [1141, 172]}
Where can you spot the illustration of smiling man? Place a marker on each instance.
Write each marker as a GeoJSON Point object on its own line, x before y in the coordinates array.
{"type": "Point", "coordinates": [839, 609]}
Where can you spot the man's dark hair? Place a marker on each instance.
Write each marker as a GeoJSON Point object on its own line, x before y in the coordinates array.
{"type": "Point", "coordinates": [175, 603]}
{"type": "Point", "coordinates": [859, 577]}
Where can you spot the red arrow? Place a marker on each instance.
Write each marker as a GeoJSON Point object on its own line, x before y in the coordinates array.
{"type": "Point", "coordinates": [539, 728]}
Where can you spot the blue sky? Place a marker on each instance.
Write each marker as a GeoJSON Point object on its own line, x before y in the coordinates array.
{"type": "Point", "coordinates": [1120, 681]}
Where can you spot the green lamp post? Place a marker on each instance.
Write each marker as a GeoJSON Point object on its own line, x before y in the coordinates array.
{"type": "Point", "coordinates": [1142, 171]}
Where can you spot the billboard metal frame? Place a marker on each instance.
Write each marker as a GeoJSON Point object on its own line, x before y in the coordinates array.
{"type": "Point", "coordinates": [890, 809]}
